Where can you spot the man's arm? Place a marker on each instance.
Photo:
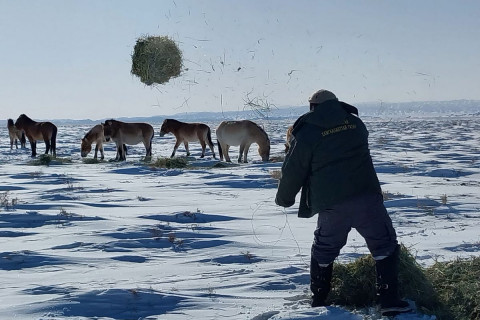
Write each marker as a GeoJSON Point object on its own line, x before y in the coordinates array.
{"type": "Point", "coordinates": [295, 171]}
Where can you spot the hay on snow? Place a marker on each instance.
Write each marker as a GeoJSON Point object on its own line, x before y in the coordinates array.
{"type": "Point", "coordinates": [156, 59]}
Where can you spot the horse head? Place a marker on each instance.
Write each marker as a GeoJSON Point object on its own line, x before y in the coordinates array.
{"type": "Point", "coordinates": [264, 152]}
{"type": "Point", "coordinates": [86, 148]}
{"type": "Point", "coordinates": [165, 127]}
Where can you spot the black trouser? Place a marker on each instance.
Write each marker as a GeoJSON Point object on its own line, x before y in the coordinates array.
{"type": "Point", "coordinates": [367, 214]}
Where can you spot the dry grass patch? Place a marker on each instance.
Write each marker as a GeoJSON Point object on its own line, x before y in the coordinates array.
{"type": "Point", "coordinates": [448, 290]}
{"type": "Point", "coordinates": [170, 163]}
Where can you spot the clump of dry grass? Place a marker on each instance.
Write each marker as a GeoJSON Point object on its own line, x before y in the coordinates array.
{"type": "Point", "coordinates": [458, 286]}
{"type": "Point", "coordinates": [444, 199]}
{"type": "Point", "coordinates": [156, 59]}
{"type": "Point", "coordinates": [91, 161]}
{"type": "Point", "coordinates": [276, 174]}
{"type": "Point", "coordinates": [448, 290]}
{"type": "Point", "coordinates": [7, 202]}
{"type": "Point", "coordinates": [170, 163]}
{"type": "Point", "coordinates": [42, 160]}
{"type": "Point", "coordinates": [46, 160]}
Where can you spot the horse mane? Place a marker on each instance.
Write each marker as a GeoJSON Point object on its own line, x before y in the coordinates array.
{"type": "Point", "coordinates": [10, 123]}
{"type": "Point", "coordinates": [89, 132]}
{"type": "Point", "coordinates": [262, 130]}
{"type": "Point", "coordinates": [25, 117]}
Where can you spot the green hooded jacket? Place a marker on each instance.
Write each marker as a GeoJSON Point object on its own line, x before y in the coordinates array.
{"type": "Point", "coordinates": [329, 160]}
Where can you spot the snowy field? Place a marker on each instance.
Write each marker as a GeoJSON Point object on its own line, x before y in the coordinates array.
{"type": "Point", "coordinates": [124, 241]}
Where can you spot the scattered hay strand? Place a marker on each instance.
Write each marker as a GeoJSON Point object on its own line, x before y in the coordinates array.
{"type": "Point", "coordinates": [156, 59]}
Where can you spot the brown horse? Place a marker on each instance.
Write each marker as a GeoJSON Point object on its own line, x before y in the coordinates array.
{"type": "Point", "coordinates": [288, 138]}
{"type": "Point", "coordinates": [34, 131]}
{"type": "Point", "coordinates": [188, 132]}
{"type": "Point", "coordinates": [242, 133]}
{"type": "Point", "coordinates": [131, 133]}
{"type": "Point", "coordinates": [95, 135]}
{"type": "Point", "coordinates": [15, 135]}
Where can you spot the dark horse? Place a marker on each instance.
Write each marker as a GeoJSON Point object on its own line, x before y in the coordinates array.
{"type": "Point", "coordinates": [34, 131]}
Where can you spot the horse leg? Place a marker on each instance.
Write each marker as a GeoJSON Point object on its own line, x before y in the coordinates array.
{"type": "Point", "coordinates": [185, 143]}
{"type": "Point", "coordinates": [220, 151]}
{"type": "Point", "coordinates": [33, 145]}
{"type": "Point", "coordinates": [212, 148]}
{"type": "Point", "coordinates": [227, 157]}
{"type": "Point", "coordinates": [204, 146]}
{"type": "Point", "coordinates": [101, 151]}
{"type": "Point", "coordinates": [148, 147]}
{"type": "Point", "coordinates": [96, 152]}
{"type": "Point", "coordinates": [177, 143]}
{"type": "Point", "coordinates": [242, 147]}
{"type": "Point", "coordinates": [245, 152]}
{"type": "Point", "coordinates": [47, 146]}
{"type": "Point", "coordinates": [121, 152]}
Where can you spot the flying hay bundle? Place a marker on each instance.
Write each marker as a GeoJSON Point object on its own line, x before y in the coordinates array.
{"type": "Point", "coordinates": [156, 60]}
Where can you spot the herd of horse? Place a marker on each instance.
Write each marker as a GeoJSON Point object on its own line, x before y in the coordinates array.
{"type": "Point", "coordinates": [241, 133]}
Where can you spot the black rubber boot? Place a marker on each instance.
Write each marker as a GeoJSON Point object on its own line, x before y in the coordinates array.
{"type": "Point", "coordinates": [387, 286]}
{"type": "Point", "coordinates": [320, 278]}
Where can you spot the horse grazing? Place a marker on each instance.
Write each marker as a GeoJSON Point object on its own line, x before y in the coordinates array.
{"type": "Point", "coordinates": [95, 135]}
{"type": "Point", "coordinates": [15, 135]}
{"type": "Point", "coordinates": [132, 133]}
{"type": "Point", "coordinates": [288, 138]}
{"type": "Point", "coordinates": [188, 132]}
{"type": "Point", "coordinates": [242, 133]}
{"type": "Point", "coordinates": [34, 131]}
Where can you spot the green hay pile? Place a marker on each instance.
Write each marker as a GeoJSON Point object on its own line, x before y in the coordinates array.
{"type": "Point", "coordinates": [170, 163]}
{"type": "Point", "coordinates": [46, 160]}
{"type": "Point", "coordinates": [42, 160]}
{"type": "Point", "coordinates": [156, 60]}
{"type": "Point", "coordinates": [448, 290]}
{"type": "Point", "coordinates": [90, 161]}
{"type": "Point", "coordinates": [458, 285]}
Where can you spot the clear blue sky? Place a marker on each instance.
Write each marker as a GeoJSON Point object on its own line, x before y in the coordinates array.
{"type": "Point", "coordinates": [72, 59]}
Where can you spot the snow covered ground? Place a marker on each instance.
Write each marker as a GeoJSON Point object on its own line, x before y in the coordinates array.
{"type": "Point", "coordinates": [124, 241]}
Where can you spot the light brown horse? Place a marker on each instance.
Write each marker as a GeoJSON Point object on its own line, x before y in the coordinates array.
{"type": "Point", "coordinates": [34, 131]}
{"type": "Point", "coordinates": [128, 133]}
{"type": "Point", "coordinates": [242, 133]}
{"type": "Point", "coordinates": [288, 138]}
{"type": "Point", "coordinates": [15, 135]}
{"type": "Point", "coordinates": [95, 135]}
{"type": "Point", "coordinates": [188, 132]}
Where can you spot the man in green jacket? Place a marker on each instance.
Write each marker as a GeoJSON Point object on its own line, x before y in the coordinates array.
{"type": "Point", "coordinates": [329, 161]}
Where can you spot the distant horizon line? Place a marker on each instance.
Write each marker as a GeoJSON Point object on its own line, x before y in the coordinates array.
{"type": "Point", "coordinates": [267, 110]}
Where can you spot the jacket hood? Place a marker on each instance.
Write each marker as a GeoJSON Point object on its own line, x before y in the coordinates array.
{"type": "Point", "coordinates": [328, 114]}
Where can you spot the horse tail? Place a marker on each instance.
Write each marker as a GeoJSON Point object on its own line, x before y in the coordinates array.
{"type": "Point", "coordinates": [149, 151]}
{"type": "Point", "coordinates": [53, 141]}
{"type": "Point", "coordinates": [209, 136]}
